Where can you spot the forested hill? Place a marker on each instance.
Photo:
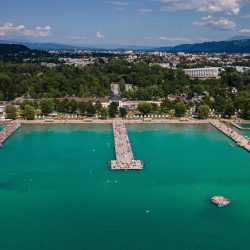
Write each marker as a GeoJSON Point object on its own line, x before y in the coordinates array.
{"type": "Point", "coordinates": [237, 46]}
{"type": "Point", "coordinates": [17, 52]}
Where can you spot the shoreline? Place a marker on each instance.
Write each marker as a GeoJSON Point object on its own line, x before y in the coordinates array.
{"type": "Point", "coordinates": [126, 121]}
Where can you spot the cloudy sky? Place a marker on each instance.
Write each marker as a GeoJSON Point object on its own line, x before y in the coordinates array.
{"type": "Point", "coordinates": [128, 22]}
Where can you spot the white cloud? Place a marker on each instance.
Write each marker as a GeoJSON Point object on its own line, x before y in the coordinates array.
{"type": "Point", "coordinates": [244, 31]}
{"type": "Point", "coordinates": [203, 39]}
{"type": "Point", "coordinates": [10, 30]}
{"type": "Point", "coordinates": [174, 39]}
{"type": "Point", "coordinates": [149, 38]}
{"type": "Point", "coordinates": [99, 35]}
{"type": "Point", "coordinates": [245, 16]}
{"type": "Point", "coordinates": [78, 37]}
{"type": "Point", "coordinates": [145, 11]}
{"type": "Point", "coordinates": [217, 23]}
{"type": "Point", "coordinates": [230, 7]}
{"type": "Point", "coordinates": [118, 3]}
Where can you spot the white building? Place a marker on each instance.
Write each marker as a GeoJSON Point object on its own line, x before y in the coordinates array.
{"type": "Point", "coordinates": [203, 72]}
{"type": "Point", "coordinates": [2, 112]}
{"type": "Point", "coordinates": [115, 88]}
{"type": "Point", "coordinates": [242, 69]}
{"type": "Point", "coordinates": [129, 87]}
{"type": "Point", "coordinates": [163, 65]}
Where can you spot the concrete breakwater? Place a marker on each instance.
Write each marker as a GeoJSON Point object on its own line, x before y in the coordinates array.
{"type": "Point", "coordinates": [239, 126]}
{"type": "Point", "coordinates": [8, 131]}
{"type": "Point", "coordinates": [124, 155]}
{"type": "Point", "coordinates": [238, 138]}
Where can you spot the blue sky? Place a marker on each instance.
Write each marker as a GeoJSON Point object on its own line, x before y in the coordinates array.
{"type": "Point", "coordinates": [130, 22]}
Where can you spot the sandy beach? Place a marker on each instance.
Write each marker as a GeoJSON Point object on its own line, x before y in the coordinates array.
{"type": "Point", "coordinates": [126, 121]}
{"type": "Point", "coordinates": [109, 121]}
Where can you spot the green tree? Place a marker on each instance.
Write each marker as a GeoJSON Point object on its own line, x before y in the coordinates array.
{"type": "Point", "coordinates": [1, 95]}
{"type": "Point", "coordinates": [145, 108]}
{"type": "Point", "coordinates": [167, 105]}
{"type": "Point", "coordinates": [82, 107]}
{"type": "Point", "coordinates": [90, 108]}
{"type": "Point", "coordinates": [122, 85]}
{"type": "Point", "coordinates": [11, 112]}
{"type": "Point", "coordinates": [47, 106]}
{"type": "Point", "coordinates": [242, 103]}
{"type": "Point", "coordinates": [104, 113]}
{"type": "Point", "coordinates": [220, 104]}
{"type": "Point", "coordinates": [123, 112]}
{"type": "Point", "coordinates": [72, 106]}
{"type": "Point", "coordinates": [180, 109]}
{"type": "Point", "coordinates": [29, 112]}
{"type": "Point", "coordinates": [154, 107]}
{"type": "Point", "coordinates": [7, 86]}
{"type": "Point", "coordinates": [113, 109]}
{"type": "Point", "coordinates": [203, 111]}
{"type": "Point", "coordinates": [63, 106]}
{"type": "Point", "coordinates": [28, 102]}
{"type": "Point", "coordinates": [229, 110]}
{"type": "Point", "coordinates": [98, 106]}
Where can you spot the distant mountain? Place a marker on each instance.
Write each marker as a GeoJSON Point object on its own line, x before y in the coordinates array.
{"type": "Point", "coordinates": [40, 46]}
{"type": "Point", "coordinates": [56, 46]}
{"type": "Point", "coordinates": [6, 49]}
{"type": "Point", "coordinates": [236, 46]}
{"type": "Point", "coordinates": [17, 52]}
{"type": "Point", "coordinates": [234, 38]}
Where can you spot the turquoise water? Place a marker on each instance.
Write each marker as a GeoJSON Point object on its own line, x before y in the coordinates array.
{"type": "Point", "coordinates": [57, 192]}
{"type": "Point", "coordinates": [240, 131]}
{"type": "Point", "coordinates": [245, 125]}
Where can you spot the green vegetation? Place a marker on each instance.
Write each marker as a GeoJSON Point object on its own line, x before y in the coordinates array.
{"type": "Point", "coordinates": [104, 113]}
{"type": "Point", "coordinates": [123, 112]}
{"type": "Point", "coordinates": [17, 52]}
{"type": "Point", "coordinates": [29, 112]}
{"type": "Point", "coordinates": [47, 106]}
{"type": "Point", "coordinates": [113, 109]}
{"type": "Point", "coordinates": [145, 108]}
{"type": "Point", "coordinates": [11, 112]}
{"type": "Point", "coordinates": [180, 109]}
{"type": "Point", "coordinates": [58, 87]}
{"type": "Point", "coordinates": [203, 111]}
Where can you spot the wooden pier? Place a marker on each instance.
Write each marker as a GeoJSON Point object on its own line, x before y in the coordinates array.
{"type": "Point", "coordinates": [241, 140]}
{"type": "Point", "coordinates": [6, 132]}
{"type": "Point", "coordinates": [124, 155]}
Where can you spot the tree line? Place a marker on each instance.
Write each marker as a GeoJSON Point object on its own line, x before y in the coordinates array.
{"type": "Point", "coordinates": [150, 83]}
{"type": "Point", "coordinates": [30, 109]}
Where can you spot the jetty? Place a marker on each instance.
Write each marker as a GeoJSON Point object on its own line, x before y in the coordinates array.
{"type": "Point", "coordinates": [238, 126]}
{"type": "Point", "coordinates": [124, 155]}
{"type": "Point", "coordinates": [241, 140]}
{"type": "Point", "coordinates": [9, 130]}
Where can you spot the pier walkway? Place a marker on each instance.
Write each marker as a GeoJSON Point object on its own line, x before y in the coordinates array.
{"type": "Point", "coordinates": [238, 138]}
{"type": "Point", "coordinates": [6, 132]}
{"type": "Point", "coordinates": [124, 155]}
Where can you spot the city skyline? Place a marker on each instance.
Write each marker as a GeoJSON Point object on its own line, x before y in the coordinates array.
{"type": "Point", "coordinates": [141, 22]}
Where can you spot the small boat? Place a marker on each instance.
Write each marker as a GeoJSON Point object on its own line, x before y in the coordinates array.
{"type": "Point", "coordinates": [220, 201]}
